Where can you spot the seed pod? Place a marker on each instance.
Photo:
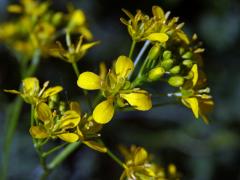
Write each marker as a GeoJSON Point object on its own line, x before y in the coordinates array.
{"type": "Point", "coordinates": [156, 73]}
{"type": "Point", "coordinates": [176, 81]}
{"type": "Point", "coordinates": [175, 70]}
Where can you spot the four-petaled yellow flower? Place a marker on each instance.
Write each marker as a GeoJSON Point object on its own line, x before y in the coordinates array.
{"type": "Point", "coordinates": [199, 101]}
{"type": "Point", "coordinates": [138, 165]}
{"type": "Point", "coordinates": [51, 126]}
{"type": "Point", "coordinates": [117, 90]}
{"type": "Point", "coordinates": [31, 92]}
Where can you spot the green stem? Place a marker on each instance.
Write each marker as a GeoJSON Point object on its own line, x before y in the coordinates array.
{"type": "Point", "coordinates": [45, 154]}
{"type": "Point", "coordinates": [63, 155]}
{"type": "Point", "coordinates": [116, 159]}
{"type": "Point", "coordinates": [76, 70]}
{"type": "Point", "coordinates": [132, 49]}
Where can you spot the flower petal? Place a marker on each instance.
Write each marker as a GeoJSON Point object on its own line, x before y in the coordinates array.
{"type": "Point", "coordinates": [140, 100]}
{"type": "Point", "coordinates": [123, 66]}
{"type": "Point", "coordinates": [194, 70]}
{"type": "Point", "coordinates": [89, 81]}
{"type": "Point", "coordinates": [38, 132]}
{"type": "Point", "coordinates": [104, 111]}
{"type": "Point", "coordinates": [70, 119]}
{"type": "Point", "coordinates": [43, 112]}
{"type": "Point", "coordinates": [159, 37]}
{"type": "Point", "coordinates": [51, 91]}
{"type": "Point", "coordinates": [193, 104]}
{"type": "Point", "coordinates": [96, 146]}
{"type": "Point", "coordinates": [31, 86]}
{"type": "Point", "coordinates": [69, 137]}
{"type": "Point", "coordinates": [140, 156]}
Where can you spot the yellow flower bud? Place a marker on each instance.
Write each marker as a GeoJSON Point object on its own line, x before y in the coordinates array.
{"type": "Point", "coordinates": [167, 64]}
{"type": "Point", "coordinates": [175, 70]}
{"type": "Point", "coordinates": [188, 63]}
{"type": "Point", "coordinates": [187, 55]}
{"type": "Point", "coordinates": [156, 73]}
{"type": "Point", "coordinates": [154, 52]}
{"type": "Point", "coordinates": [167, 54]}
{"type": "Point", "coordinates": [176, 81]}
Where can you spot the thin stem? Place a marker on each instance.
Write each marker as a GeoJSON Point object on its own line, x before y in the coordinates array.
{"type": "Point", "coordinates": [45, 154]}
{"type": "Point", "coordinates": [139, 56]}
{"type": "Point", "coordinates": [76, 70]}
{"type": "Point", "coordinates": [63, 155]}
{"type": "Point", "coordinates": [116, 159]}
{"type": "Point", "coordinates": [132, 49]}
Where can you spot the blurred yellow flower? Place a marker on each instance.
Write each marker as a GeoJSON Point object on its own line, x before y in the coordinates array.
{"type": "Point", "coordinates": [31, 92]}
{"type": "Point", "coordinates": [74, 52]}
{"type": "Point", "coordinates": [116, 88]}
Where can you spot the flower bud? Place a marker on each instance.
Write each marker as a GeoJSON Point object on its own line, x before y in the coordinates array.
{"type": "Point", "coordinates": [54, 98]}
{"type": "Point", "coordinates": [167, 54]}
{"type": "Point", "coordinates": [176, 81]}
{"type": "Point", "coordinates": [187, 55]}
{"type": "Point", "coordinates": [188, 63]}
{"type": "Point", "coordinates": [57, 18]}
{"type": "Point", "coordinates": [175, 70]}
{"type": "Point", "coordinates": [156, 73]}
{"type": "Point", "coordinates": [62, 107]}
{"type": "Point", "coordinates": [154, 52]}
{"type": "Point", "coordinates": [51, 104]}
{"type": "Point", "coordinates": [167, 64]}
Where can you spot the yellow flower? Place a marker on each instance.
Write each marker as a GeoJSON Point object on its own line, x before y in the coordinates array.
{"type": "Point", "coordinates": [77, 24]}
{"type": "Point", "coordinates": [50, 126]}
{"type": "Point", "coordinates": [74, 52]}
{"type": "Point", "coordinates": [31, 92]}
{"type": "Point", "coordinates": [115, 86]}
{"type": "Point", "coordinates": [88, 130]}
{"type": "Point", "coordinates": [198, 100]}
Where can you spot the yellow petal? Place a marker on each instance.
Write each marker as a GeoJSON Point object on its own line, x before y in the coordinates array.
{"type": "Point", "coordinates": [140, 100]}
{"type": "Point", "coordinates": [12, 91]}
{"type": "Point", "coordinates": [43, 112]}
{"type": "Point", "coordinates": [51, 91]}
{"type": "Point", "coordinates": [75, 106]}
{"type": "Point", "coordinates": [140, 156]}
{"type": "Point", "coordinates": [193, 104]}
{"type": "Point", "coordinates": [87, 46]}
{"type": "Point", "coordinates": [69, 137]}
{"type": "Point", "coordinates": [158, 12]}
{"type": "Point", "coordinates": [38, 132]}
{"type": "Point", "coordinates": [30, 86]}
{"type": "Point", "coordinates": [123, 66]}
{"type": "Point", "coordinates": [77, 19]}
{"type": "Point", "coordinates": [96, 146]}
{"type": "Point", "coordinates": [183, 36]}
{"type": "Point", "coordinates": [159, 37]}
{"type": "Point", "coordinates": [194, 70]}
{"type": "Point", "coordinates": [70, 119]}
{"type": "Point", "coordinates": [103, 112]}
{"type": "Point", "coordinates": [14, 8]}
{"type": "Point", "coordinates": [89, 81]}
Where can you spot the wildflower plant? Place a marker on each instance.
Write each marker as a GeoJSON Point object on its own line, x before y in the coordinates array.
{"type": "Point", "coordinates": [168, 55]}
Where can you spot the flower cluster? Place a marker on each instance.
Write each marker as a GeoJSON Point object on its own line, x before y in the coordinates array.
{"type": "Point", "coordinates": [138, 165]}
{"type": "Point", "coordinates": [117, 90]}
{"type": "Point", "coordinates": [172, 57]}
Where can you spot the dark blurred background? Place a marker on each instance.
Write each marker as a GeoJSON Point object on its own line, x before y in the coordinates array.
{"type": "Point", "coordinates": [201, 152]}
